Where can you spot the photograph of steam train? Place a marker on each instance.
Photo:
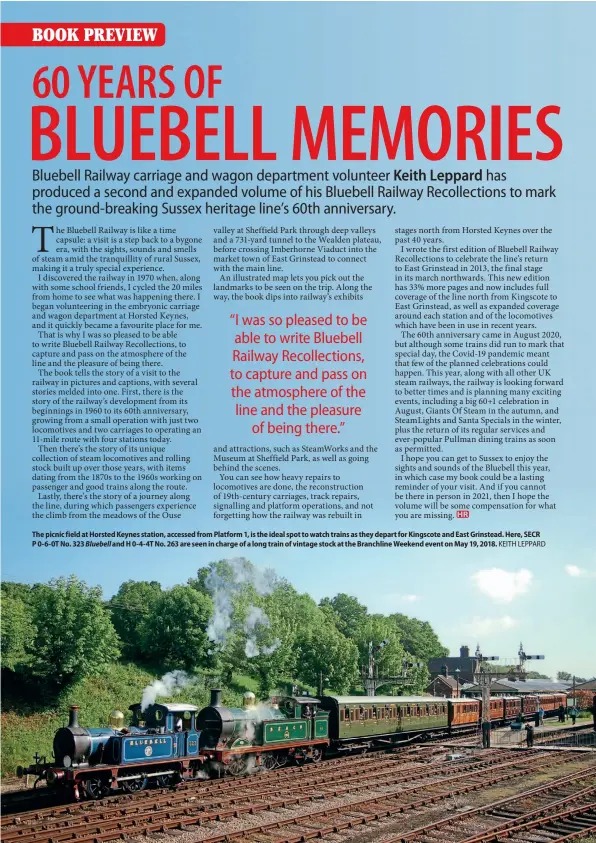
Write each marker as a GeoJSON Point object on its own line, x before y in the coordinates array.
{"type": "Point", "coordinates": [167, 742]}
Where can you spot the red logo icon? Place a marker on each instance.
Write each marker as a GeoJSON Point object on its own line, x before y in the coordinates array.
{"type": "Point", "coordinates": [462, 513]}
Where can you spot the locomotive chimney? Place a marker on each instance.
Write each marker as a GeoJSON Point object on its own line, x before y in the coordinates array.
{"type": "Point", "coordinates": [73, 716]}
{"type": "Point", "coordinates": [215, 697]}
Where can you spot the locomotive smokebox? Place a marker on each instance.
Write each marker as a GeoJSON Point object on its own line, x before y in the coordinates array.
{"type": "Point", "coordinates": [215, 722]}
{"type": "Point", "coordinates": [73, 716]}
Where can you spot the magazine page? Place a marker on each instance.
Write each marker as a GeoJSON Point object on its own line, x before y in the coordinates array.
{"type": "Point", "coordinates": [297, 420]}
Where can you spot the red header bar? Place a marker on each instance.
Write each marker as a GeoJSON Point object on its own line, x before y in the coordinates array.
{"type": "Point", "coordinates": [83, 34]}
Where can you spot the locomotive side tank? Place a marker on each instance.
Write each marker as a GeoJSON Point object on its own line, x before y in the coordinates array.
{"type": "Point", "coordinates": [74, 745]}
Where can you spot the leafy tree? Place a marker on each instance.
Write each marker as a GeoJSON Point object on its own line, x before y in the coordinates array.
{"type": "Point", "coordinates": [20, 590]}
{"type": "Point", "coordinates": [565, 676]}
{"type": "Point", "coordinates": [325, 654]}
{"type": "Point", "coordinates": [74, 634]}
{"type": "Point", "coordinates": [380, 631]}
{"type": "Point", "coordinates": [288, 614]}
{"type": "Point", "coordinates": [130, 608]}
{"type": "Point", "coordinates": [349, 613]}
{"type": "Point", "coordinates": [418, 638]}
{"type": "Point", "coordinates": [18, 633]}
{"type": "Point", "coordinates": [250, 627]}
{"type": "Point", "coordinates": [175, 633]}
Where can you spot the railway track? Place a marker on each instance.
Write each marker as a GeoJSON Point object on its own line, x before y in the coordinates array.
{"type": "Point", "coordinates": [540, 803]}
{"type": "Point", "coordinates": [37, 801]}
{"type": "Point", "coordinates": [20, 804]}
{"type": "Point", "coordinates": [565, 825]}
{"type": "Point", "coordinates": [288, 782]}
{"type": "Point", "coordinates": [396, 791]}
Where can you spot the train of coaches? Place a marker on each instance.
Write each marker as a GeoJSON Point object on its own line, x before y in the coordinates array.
{"type": "Point", "coordinates": [168, 742]}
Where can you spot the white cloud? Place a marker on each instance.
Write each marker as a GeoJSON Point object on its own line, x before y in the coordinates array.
{"type": "Point", "coordinates": [502, 586]}
{"type": "Point", "coordinates": [574, 571]}
{"type": "Point", "coordinates": [479, 627]}
{"type": "Point", "coordinates": [393, 597]}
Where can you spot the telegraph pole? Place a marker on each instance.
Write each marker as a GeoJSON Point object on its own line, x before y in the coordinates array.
{"type": "Point", "coordinates": [484, 678]}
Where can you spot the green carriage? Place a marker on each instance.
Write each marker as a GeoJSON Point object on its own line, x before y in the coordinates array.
{"type": "Point", "coordinates": [382, 719]}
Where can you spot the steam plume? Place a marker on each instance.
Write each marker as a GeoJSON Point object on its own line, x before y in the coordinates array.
{"type": "Point", "coordinates": [170, 684]}
{"type": "Point", "coordinates": [223, 589]}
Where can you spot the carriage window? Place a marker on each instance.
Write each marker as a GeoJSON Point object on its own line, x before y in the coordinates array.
{"type": "Point", "coordinates": [374, 713]}
{"type": "Point", "coordinates": [361, 713]}
{"type": "Point", "coordinates": [341, 714]}
{"type": "Point", "coordinates": [352, 714]}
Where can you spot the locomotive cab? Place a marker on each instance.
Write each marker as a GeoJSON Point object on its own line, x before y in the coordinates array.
{"type": "Point", "coordinates": [177, 720]}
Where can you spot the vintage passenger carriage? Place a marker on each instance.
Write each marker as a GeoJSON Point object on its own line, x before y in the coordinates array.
{"type": "Point", "coordinates": [353, 719]}
{"type": "Point", "coordinates": [530, 706]}
{"type": "Point", "coordinates": [512, 708]}
{"type": "Point", "coordinates": [463, 713]}
{"type": "Point", "coordinates": [551, 702]}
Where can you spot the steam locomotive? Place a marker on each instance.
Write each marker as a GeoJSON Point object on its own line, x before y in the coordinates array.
{"type": "Point", "coordinates": [160, 747]}
{"type": "Point", "coordinates": [168, 742]}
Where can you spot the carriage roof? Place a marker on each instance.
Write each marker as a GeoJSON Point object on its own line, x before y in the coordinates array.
{"type": "Point", "coordinates": [172, 708]}
{"type": "Point", "coordinates": [383, 700]}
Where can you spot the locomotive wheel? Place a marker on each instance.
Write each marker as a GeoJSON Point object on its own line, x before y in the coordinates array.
{"type": "Point", "coordinates": [164, 781]}
{"type": "Point", "coordinates": [316, 754]}
{"type": "Point", "coordinates": [240, 765]}
{"type": "Point", "coordinates": [96, 788]}
{"type": "Point", "coordinates": [134, 785]}
{"type": "Point", "coordinates": [269, 761]}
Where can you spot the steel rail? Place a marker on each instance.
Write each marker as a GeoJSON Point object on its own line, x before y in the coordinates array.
{"type": "Point", "coordinates": [516, 827]}
{"type": "Point", "coordinates": [489, 808]}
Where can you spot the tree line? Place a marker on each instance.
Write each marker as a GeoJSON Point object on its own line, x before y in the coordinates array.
{"type": "Point", "coordinates": [225, 621]}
